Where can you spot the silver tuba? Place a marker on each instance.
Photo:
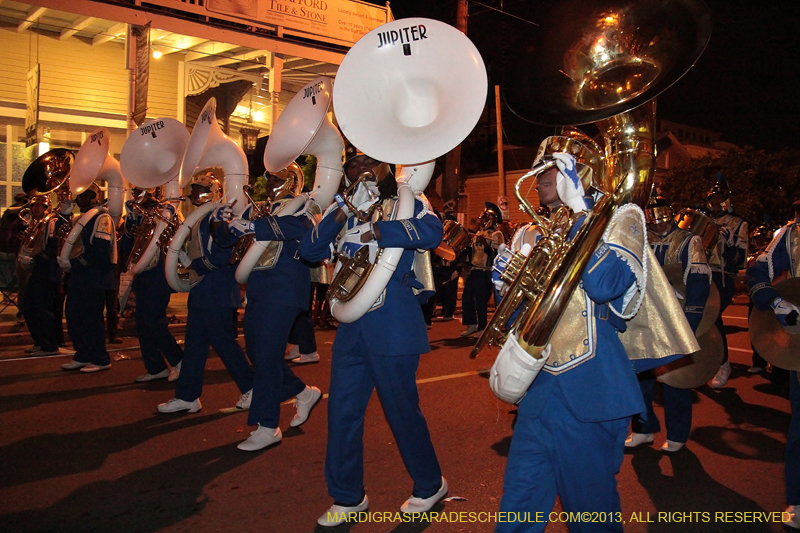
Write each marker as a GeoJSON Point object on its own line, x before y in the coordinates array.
{"type": "Point", "coordinates": [396, 103]}
{"type": "Point", "coordinates": [606, 67]}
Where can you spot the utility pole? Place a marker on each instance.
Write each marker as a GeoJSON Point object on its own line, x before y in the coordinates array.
{"type": "Point", "coordinates": [453, 159]}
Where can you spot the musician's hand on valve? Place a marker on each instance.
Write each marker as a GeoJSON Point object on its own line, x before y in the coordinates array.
{"type": "Point", "coordinates": [26, 261]}
{"type": "Point", "coordinates": [786, 312]}
{"type": "Point", "coordinates": [64, 263]}
{"type": "Point", "coordinates": [357, 237]}
{"type": "Point", "coordinates": [568, 184]}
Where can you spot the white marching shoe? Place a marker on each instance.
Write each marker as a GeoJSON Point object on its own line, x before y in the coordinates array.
{"type": "Point", "coordinates": [422, 505]}
{"type": "Point", "coordinates": [244, 400]}
{"type": "Point", "coordinates": [175, 405]}
{"type": "Point", "coordinates": [175, 372]}
{"type": "Point", "coordinates": [261, 438]}
{"type": "Point", "coordinates": [338, 513]}
{"type": "Point", "coordinates": [722, 376]}
{"type": "Point", "coordinates": [152, 377]}
{"type": "Point", "coordinates": [637, 439]}
{"type": "Point", "coordinates": [672, 446]}
{"type": "Point", "coordinates": [304, 402]}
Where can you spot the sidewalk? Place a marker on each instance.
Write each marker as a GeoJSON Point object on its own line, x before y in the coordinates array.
{"type": "Point", "coordinates": [14, 332]}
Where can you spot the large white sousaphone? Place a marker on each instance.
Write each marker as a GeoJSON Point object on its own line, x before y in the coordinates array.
{"type": "Point", "coordinates": [303, 128]}
{"type": "Point", "coordinates": [93, 163]}
{"type": "Point", "coordinates": [208, 147]}
{"type": "Point", "coordinates": [152, 157]}
{"type": "Point", "coordinates": [406, 93]}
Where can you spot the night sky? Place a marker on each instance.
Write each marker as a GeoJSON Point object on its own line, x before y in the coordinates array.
{"type": "Point", "coordinates": [744, 85]}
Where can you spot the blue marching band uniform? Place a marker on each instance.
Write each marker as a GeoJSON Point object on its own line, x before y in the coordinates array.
{"type": "Point", "coordinates": [278, 291]}
{"type": "Point", "coordinates": [726, 259]}
{"type": "Point", "coordinates": [572, 423]}
{"type": "Point", "coordinates": [208, 322]}
{"type": "Point", "coordinates": [682, 248]}
{"type": "Point", "coordinates": [780, 259]}
{"type": "Point", "coordinates": [157, 344]}
{"type": "Point", "coordinates": [91, 275]}
{"type": "Point", "coordinates": [364, 361]}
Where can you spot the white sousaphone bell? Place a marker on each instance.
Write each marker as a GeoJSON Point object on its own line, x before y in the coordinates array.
{"type": "Point", "coordinates": [303, 128]}
{"type": "Point", "coordinates": [92, 163]}
{"type": "Point", "coordinates": [152, 157]}
{"type": "Point", "coordinates": [208, 147]}
{"type": "Point", "coordinates": [406, 93]}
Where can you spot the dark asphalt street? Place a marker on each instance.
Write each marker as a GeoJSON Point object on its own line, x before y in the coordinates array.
{"type": "Point", "coordinates": [90, 453]}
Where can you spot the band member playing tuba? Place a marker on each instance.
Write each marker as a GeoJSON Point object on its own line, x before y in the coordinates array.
{"type": "Point", "coordinates": [672, 246]}
{"type": "Point", "coordinates": [726, 260]}
{"type": "Point", "coordinates": [278, 291]}
{"type": "Point", "coordinates": [779, 260]}
{"type": "Point", "coordinates": [38, 304]}
{"type": "Point", "coordinates": [210, 305]}
{"type": "Point", "coordinates": [573, 420]}
{"type": "Point", "coordinates": [157, 344]}
{"type": "Point", "coordinates": [364, 361]}
{"type": "Point", "coordinates": [91, 275]}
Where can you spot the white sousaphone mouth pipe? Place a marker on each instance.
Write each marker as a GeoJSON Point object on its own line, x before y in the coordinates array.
{"type": "Point", "coordinates": [394, 101]}
{"type": "Point", "coordinates": [302, 128]}
{"type": "Point", "coordinates": [151, 157]}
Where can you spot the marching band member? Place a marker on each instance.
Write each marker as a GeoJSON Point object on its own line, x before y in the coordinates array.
{"type": "Point", "coordinates": [671, 246]}
{"type": "Point", "coordinates": [91, 274]}
{"type": "Point", "coordinates": [727, 259]}
{"type": "Point", "coordinates": [571, 426]}
{"type": "Point", "coordinates": [365, 360]}
{"type": "Point", "coordinates": [157, 344]}
{"type": "Point", "coordinates": [210, 305]}
{"type": "Point", "coordinates": [37, 306]}
{"type": "Point", "coordinates": [478, 285]}
{"type": "Point", "coordinates": [779, 259]}
{"type": "Point", "coordinates": [759, 241]}
{"type": "Point", "coordinates": [278, 291]}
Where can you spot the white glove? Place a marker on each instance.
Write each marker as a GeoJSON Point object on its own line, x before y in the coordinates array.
{"type": "Point", "coordinates": [66, 207]}
{"type": "Point", "coordinates": [514, 370]}
{"type": "Point", "coordinates": [26, 261]}
{"type": "Point", "coordinates": [783, 310]}
{"type": "Point", "coordinates": [184, 260]}
{"type": "Point", "coordinates": [239, 226]}
{"type": "Point", "coordinates": [222, 213]}
{"type": "Point", "coordinates": [65, 264]}
{"type": "Point", "coordinates": [568, 184]}
{"type": "Point", "coordinates": [351, 242]}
